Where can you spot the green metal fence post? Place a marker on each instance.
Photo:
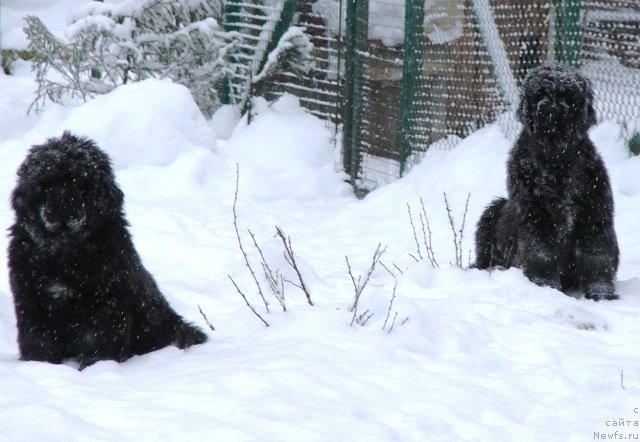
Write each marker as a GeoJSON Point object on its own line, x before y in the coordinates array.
{"type": "Point", "coordinates": [355, 40]}
{"type": "Point", "coordinates": [347, 108]}
{"type": "Point", "coordinates": [570, 34]}
{"type": "Point", "coordinates": [411, 69]}
{"type": "Point", "coordinates": [230, 16]}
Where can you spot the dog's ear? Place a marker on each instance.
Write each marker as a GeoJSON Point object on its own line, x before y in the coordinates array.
{"type": "Point", "coordinates": [521, 111]}
{"type": "Point", "coordinates": [117, 195]}
{"type": "Point", "coordinates": [17, 200]}
{"type": "Point", "coordinates": [589, 111]}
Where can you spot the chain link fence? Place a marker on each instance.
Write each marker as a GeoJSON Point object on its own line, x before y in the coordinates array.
{"type": "Point", "coordinates": [258, 23]}
{"type": "Point", "coordinates": [396, 78]}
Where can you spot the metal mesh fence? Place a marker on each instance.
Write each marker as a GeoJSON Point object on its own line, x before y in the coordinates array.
{"type": "Point", "coordinates": [398, 77]}
{"type": "Point", "coordinates": [319, 90]}
{"type": "Point", "coordinates": [611, 58]}
{"type": "Point", "coordinates": [256, 22]}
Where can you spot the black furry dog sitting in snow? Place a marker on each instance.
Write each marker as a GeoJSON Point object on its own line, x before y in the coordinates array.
{"type": "Point", "coordinates": [79, 287]}
{"type": "Point", "coordinates": [557, 222]}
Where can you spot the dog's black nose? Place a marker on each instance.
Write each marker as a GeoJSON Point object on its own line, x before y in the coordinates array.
{"type": "Point", "coordinates": [545, 113]}
{"type": "Point", "coordinates": [549, 114]}
{"type": "Point", "coordinates": [545, 105]}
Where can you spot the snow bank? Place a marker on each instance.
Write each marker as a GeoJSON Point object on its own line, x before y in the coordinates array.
{"type": "Point", "coordinates": [147, 123]}
{"type": "Point", "coordinates": [151, 122]}
{"type": "Point", "coordinates": [296, 164]}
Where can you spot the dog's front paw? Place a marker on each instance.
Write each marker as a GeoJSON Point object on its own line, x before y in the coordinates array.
{"type": "Point", "coordinates": [600, 292]}
{"type": "Point", "coordinates": [553, 282]}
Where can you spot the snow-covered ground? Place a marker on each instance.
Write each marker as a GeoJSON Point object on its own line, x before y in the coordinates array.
{"type": "Point", "coordinates": [472, 355]}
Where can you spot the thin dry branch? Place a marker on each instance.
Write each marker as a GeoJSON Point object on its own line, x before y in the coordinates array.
{"type": "Point", "coordinates": [353, 280]}
{"type": "Point", "coordinates": [393, 322]}
{"type": "Point", "coordinates": [364, 318]}
{"type": "Point", "coordinates": [464, 220]}
{"type": "Point", "coordinates": [244, 254]}
{"type": "Point", "coordinates": [245, 300]}
{"type": "Point", "coordinates": [206, 319]}
{"type": "Point", "coordinates": [291, 260]}
{"type": "Point", "coordinates": [360, 284]}
{"type": "Point", "coordinates": [393, 297]}
{"type": "Point", "coordinates": [457, 234]}
{"type": "Point", "coordinates": [404, 321]}
{"type": "Point", "coordinates": [426, 229]}
{"type": "Point", "coordinates": [426, 236]}
{"type": "Point", "coordinates": [415, 235]}
{"type": "Point", "coordinates": [274, 279]}
{"type": "Point", "coordinates": [387, 269]}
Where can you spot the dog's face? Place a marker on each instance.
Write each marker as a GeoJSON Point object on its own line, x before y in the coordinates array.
{"type": "Point", "coordinates": [66, 191]}
{"type": "Point", "coordinates": [556, 102]}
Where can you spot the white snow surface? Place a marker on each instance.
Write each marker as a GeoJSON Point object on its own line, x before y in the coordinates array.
{"type": "Point", "coordinates": [473, 355]}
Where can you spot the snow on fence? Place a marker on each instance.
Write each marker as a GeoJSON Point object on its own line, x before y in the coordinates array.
{"type": "Point", "coordinates": [395, 83]}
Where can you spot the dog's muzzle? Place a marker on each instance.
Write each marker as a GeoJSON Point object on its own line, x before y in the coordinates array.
{"type": "Point", "coordinates": [63, 210]}
{"type": "Point", "coordinates": [549, 114]}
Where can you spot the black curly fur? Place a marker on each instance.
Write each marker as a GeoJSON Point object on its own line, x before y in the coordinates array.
{"type": "Point", "coordinates": [557, 222]}
{"type": "Point", "coordinates": [80, 289]}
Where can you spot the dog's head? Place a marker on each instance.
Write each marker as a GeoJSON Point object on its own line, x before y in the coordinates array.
{"type": "Point", "coordinates": [66, 191]}
{"type": "Point", "coordinates": [556, 101]}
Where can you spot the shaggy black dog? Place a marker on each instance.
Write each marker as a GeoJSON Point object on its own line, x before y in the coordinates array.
{"type": "Point", "coordinates": [557, 222]}
{"type": "Point", "coordinates": [79, 287]}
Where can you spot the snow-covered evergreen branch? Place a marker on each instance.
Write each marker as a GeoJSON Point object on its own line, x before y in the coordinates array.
{"type": "Point", "coordinates": [292, 54]}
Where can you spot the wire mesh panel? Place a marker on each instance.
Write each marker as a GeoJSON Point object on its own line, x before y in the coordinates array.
{"type": "Point", "coordinates": [252, 20]}
{"type": "Point", "coordinates": [428, 78]}
{"type": "Point", "coordinates": [611, 58]}
{"type": "Point", "coordinates": [319, 89]}
{"type": "Point", "coordinates": [449, 67]}
{"type": "Point", "coordinates": [458, 79]}
{"type": "Point", "coordinates": [257, 23]}
{"type": "Point", "coordinates": [377, 129]}
{"type": "Point", "coordinates": [399, 77]}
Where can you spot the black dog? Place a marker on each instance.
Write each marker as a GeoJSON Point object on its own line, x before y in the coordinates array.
{"type": "Point", "coordinates": [557, 223]}
{"type": "Point", "coordinates": [79, 287]}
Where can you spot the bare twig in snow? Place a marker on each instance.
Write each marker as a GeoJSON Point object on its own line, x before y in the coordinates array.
{"type": "Point", "coordinates": [206, 319]}
{"type": "Point", "coordinates": [291, 260]}
{"type": "Point", "coordinates": [457, 234]}
{"type": "Point", "coordinates": [426, 236]}
{"type": "Point", "coordinates": [393, 297]}
{"type": "Point", "coordinates": [424, 221]}
{"type": "Point", "coordinates": [387, 269]}
{"type": "Point", "coordinates": [244, 254]}
{"type": "Point", "coordinates": [404, 321]}
{"type": "Point", "coordinates": [245, 300]}
{"type": "Point", "coordinates": [274, 278]}
{"type": "Point", "coordinates": [362, 283]}
{"type": "Point", "coordinates": [364, 318]}
{"type": "Point", "coordinates": [415, 235]}
{"type": "Point", "coordinates": [393, 322]}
